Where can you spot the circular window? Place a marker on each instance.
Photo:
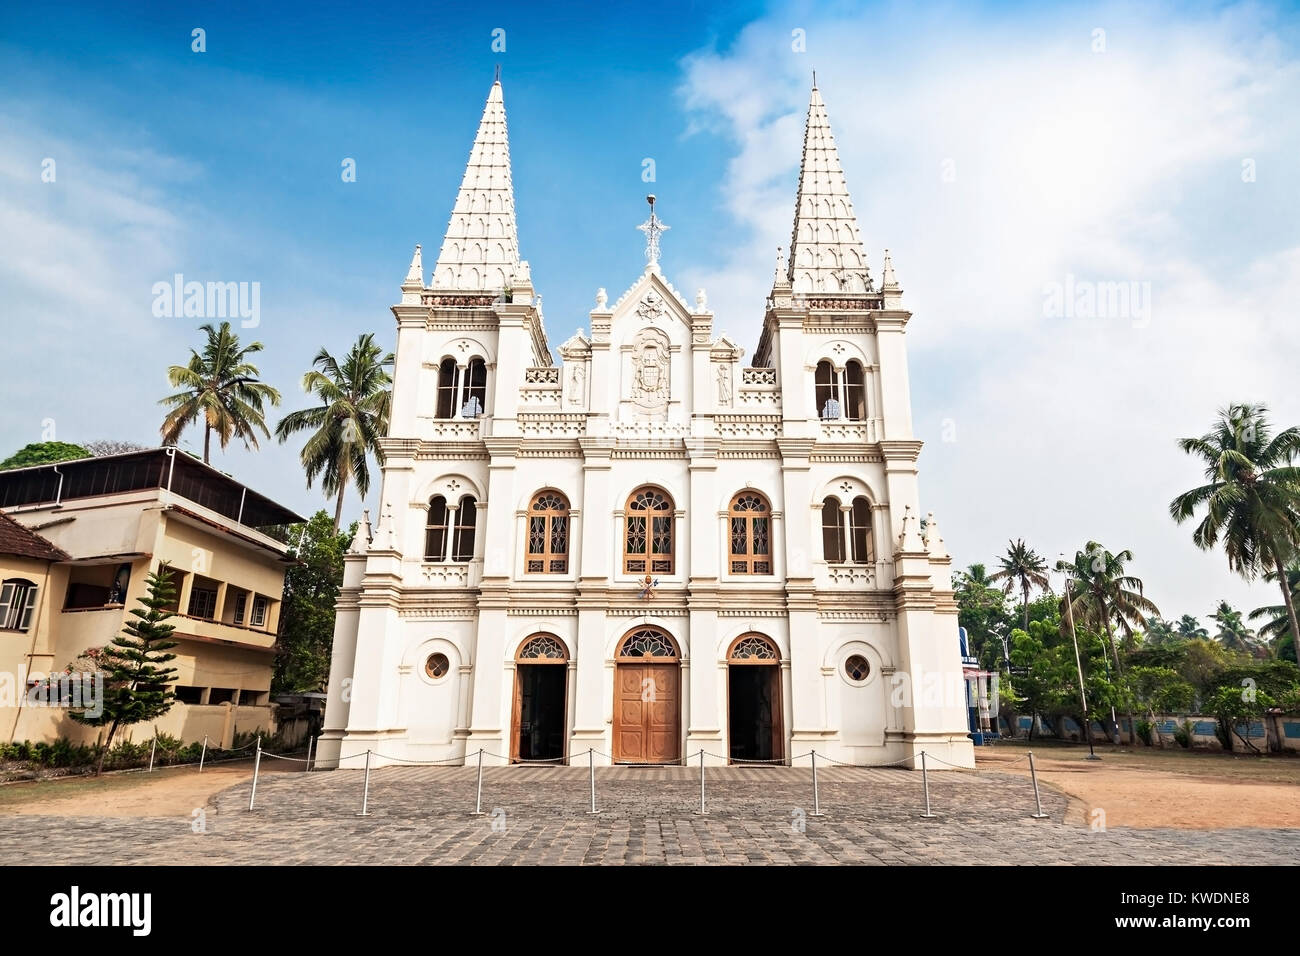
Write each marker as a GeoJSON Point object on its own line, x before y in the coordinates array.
{"type": "Point", "coordinates": [857, 668]}
{"type": "Point", "coordinates": [437, 666]}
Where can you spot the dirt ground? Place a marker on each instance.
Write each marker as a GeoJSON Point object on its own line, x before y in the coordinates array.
{"type": "Point", "coordinates": [163, 793]}
{"type": "Point", "coordinates": [1153, 788]}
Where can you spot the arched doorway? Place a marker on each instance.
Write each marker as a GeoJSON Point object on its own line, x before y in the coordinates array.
{"type": "Point", "coordinates": [754, 729]}
{"type": "Point", "coordinates": [538, 721]}
{"type": "Point", "coordinates": [647, 698]}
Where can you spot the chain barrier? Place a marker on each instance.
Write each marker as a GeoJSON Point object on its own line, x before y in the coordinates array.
{"type": "Point", "coordinates": [699, 755]}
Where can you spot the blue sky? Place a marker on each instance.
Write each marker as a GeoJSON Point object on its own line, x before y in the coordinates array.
{"type": "Point", "coordinates": [994, 148]}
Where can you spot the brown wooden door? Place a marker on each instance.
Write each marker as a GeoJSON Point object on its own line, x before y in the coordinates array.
{"type": "Point", "coordinates": [646, 713]}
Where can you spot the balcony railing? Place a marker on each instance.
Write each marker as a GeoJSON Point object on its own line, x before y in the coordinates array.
{"type": "Point", "coordinates": [852, 575]}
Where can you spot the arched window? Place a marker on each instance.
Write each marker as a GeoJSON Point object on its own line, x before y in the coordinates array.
{"type": "Point", "coordinates": [544, 649]}
{"type": "Point", "coordinates": [855, 392]}
{"type": "Point", "coordinates": [462, 392]}
{"type": "Point", "coordinates": [474, 393]}
{"type": "Point", "coordinates": [648, 533]}
{"type": "Point", "coordinates": [750, 520]}
{"type": "Point", "coordinates": [548, 534]}
{"type": "Point", "coordinates": [435, 530]}
{"type": "Point", "coordinates": [446, 407]}
{"type": "Point", "coordinates": [648, 642]}
{"type": "Point", "coordinates": [832, 531]}
{"type": "Point", "coordinates": [462, 545]}
{"type": "Point", "coordinates": [827, 391]}
{"type": "Point", "coordinates": [753, 649]}
{"type": "Point", "coordinates": [17, 604]}
{"type": "Point", "coordinates": [860, 531]}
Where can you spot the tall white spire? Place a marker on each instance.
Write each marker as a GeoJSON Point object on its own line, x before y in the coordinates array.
{"type": "Point", "coordinates": [826, 244]}
{"type": "Point", "coordinates": [481, 250]}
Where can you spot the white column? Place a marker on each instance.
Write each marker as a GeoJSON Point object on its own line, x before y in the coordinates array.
{"type": "Point", "coordinates": [846, 529]}
{"type": "Point", "coordinates": [451, 532]}
{"type": "Point", "coordinates": [841, 394]}
{"type": "Point", "coordinates": [457, 380]}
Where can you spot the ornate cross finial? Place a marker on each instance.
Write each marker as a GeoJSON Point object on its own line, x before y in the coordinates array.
{"type": "Point", "coordinates": [652, 228]}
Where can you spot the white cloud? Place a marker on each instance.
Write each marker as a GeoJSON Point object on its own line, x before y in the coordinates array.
{"type": "Point", "coordinates": [1115, 166]}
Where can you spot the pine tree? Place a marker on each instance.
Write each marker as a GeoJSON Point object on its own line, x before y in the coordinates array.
{"type": "Point", "coordinates": [136, 686]}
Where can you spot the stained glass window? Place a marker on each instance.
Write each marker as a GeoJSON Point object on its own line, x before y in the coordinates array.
{"type": "Point", "coordinates": [648, 642]}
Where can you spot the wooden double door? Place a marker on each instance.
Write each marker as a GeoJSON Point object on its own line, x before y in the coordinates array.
{"type": "Point", "coordinates": [647, 712]}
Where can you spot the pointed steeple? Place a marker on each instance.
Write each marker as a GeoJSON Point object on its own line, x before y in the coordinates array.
{"type": "Point", "coordinates": [826, 244]}
{"type": "Point", "coordinates": [888, 281]}
{"type": "Point", "coordinates": [415, 274]}
{"type": "Point", "coordinates": [481, 250]}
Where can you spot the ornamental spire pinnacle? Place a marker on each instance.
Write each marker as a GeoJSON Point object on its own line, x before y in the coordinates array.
{"type": "Point", "coordinates": [415, 274]}
{"type": "Point", "coordinates": [480, 252]}
{"type": "Point", "coordinates": [653, 229]}
{"type": "Point", "coordinates": [826, 244]}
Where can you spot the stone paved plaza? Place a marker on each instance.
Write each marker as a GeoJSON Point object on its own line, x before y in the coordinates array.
{"type": "Point", "coordinates": [421, 815]}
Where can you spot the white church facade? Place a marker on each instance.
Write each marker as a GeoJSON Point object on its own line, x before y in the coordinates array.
{"type": "Point", "coordinates": [653, 548]}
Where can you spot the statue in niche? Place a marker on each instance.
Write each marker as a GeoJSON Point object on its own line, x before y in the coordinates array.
{"type": "Point", "coordinates": [650, 369]}
{"type": "Point", "coordinates": [576, 381]}
{"type": "Point", "coordinates": [724, 384]}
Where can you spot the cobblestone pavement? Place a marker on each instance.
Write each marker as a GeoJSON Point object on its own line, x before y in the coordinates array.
{"type": "Point", "coordinates": [422, 815]}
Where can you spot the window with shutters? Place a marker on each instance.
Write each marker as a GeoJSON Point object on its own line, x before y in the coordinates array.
{"type": "Point", "coordinates": [17, 604]}
{"type": "Point", "coordinates": [832, 531]}
{"type": "Point", "coordinates": [462, 544]}
{"type": "Point", "coordinates": [648, 533]}
{"type": "Point", "coordinates": [435, 530]}
{"type": "Point", "coordinates": [750, 532]}
{"type": "Point", "coordinates": [548, 534]}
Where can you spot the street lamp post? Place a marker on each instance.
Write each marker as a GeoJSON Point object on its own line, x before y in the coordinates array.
{"type": "Point", "coordinates": [1078, 664]}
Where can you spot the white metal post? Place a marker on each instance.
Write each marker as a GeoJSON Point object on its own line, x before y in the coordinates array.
{"type": "Point", "coordinates": [257, 765]}
{"type": "Point", "coordinates": [204, 755]}
{"type": "Point", "coordinates": [817, 803]}
{"type": "Point", "coordinates": [702, 810]}
{"type": "Point", "coordinates": [365, 794]}
{"type": "Point", "coordinates": [1038, 803]}
{"type": "Point", "coordinates": [478, 801]}
{"type": "Point", "coordinates": [591, 769]}
{"type": "Point", "coordinates": [925, 783]}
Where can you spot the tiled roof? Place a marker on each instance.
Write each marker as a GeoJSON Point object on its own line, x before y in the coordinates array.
{"type": "Point", "coordinates": [15, 539]}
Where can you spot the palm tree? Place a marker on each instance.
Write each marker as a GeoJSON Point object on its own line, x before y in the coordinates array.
{"type": "Point", "coordinates": [220, 386]}
{"type": "Point", "coordinates": [1103, 593]}
{"type": "Point", "coordinates": [1252, 499]}
{"type": "Point", "coordinates": [1277, 628]}
{"type": "Point", "coordinates": [1188, 627]}
{"type": "Point", "coordinates": [1022, 567]}
{"type": "Point", "coordinates": [1159, 631]}
{"type": "Point", "coordinates": [1233, 632]}
{"type": "Point", "coordinates": [355, 398]}
{"type": "Point", "coordinates": [976, 578]}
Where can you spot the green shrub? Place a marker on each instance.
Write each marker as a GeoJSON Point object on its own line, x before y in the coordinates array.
{"type": "Point", "coordinates": [1183, 734]}
{"type": "Point", "coordinates": [1144, 731]}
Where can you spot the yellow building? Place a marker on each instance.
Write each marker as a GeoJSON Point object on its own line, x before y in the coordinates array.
{"type": "Point", "coordinates": [108, 522]}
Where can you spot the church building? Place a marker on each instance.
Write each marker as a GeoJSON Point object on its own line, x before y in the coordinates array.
{"type": "Point", "coordinates": [651, 547]}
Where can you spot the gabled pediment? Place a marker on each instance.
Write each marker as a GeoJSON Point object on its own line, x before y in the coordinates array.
{"type": "Point", "coordinates": [649, 298]}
